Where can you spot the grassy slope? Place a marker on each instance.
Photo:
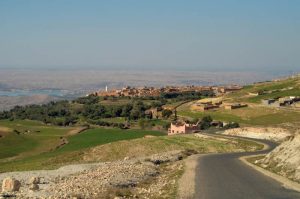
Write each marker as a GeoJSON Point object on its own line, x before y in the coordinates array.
{"type": "Point", "coordinates": [246, 116]}
{"type": "Point", "coordinates": [71, 152]}
{"type": "Point", "coordinates": [255, 114]}
{"type": "Point", "coordinates": [33, 138]}
{"type": "Point", "coordinates": [275, 86]}
{"type": "Point", "coordinates": [148, 146]}
{"type": "Point", "coordinates": [100, 136]}
{"type": "Point", "coordinates": [110, 151]}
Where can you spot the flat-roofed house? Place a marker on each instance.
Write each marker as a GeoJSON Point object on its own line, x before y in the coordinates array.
{"type": "Point", "coordinates": [268, 101]}
{"type": "Point", "coordinates": [234, 106]}
{"type": "Point", "coordinates": [182, 128]}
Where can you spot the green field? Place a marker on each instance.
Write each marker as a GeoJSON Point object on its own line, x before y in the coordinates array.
{"type": "Point", "coordinates": [99, 136]}
{"type": "Point", "coordinates": [25, 138]}
{"type": "Point", "coordinates": [56, 157]}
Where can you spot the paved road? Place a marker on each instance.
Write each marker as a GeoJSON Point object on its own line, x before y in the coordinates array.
{"type": "Point", "coordinates": [224, 176]}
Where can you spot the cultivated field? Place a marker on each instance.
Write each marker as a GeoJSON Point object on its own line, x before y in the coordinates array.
{"type": "Point", "coordinates": [32, 145]}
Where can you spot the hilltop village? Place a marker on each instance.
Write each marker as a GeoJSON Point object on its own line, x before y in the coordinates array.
{"type": "Point", "coordinates": [152, 91]}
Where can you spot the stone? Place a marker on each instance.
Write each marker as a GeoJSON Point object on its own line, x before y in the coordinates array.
{"type": "Point", "coordinates": [34, 187]}
{"type": "Point", "coordinates": [34, 180]}
{"type": "Point", "coordinates": [10, 185]}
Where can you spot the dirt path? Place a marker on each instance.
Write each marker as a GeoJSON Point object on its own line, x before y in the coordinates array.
{"type": "Point", "coordinates": [77, 131]}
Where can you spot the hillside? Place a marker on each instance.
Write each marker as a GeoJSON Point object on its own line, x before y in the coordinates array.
{"type": "Point", "coordinates": [272, 89]}
{"type": "Point", "coordinates": [285, 159]}
{"type": "Point", "coordinates": [255, 114]}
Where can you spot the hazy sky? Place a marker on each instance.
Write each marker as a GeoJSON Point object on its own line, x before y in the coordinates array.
{"type": "Point", "coordinates": [199, 34]}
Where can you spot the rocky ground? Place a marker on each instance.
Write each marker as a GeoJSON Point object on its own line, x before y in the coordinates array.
{"type": "Point", "coordinates": [268, 133]}
{"type": "Point", "coordinates": [149, 177]}
{"type": "Point", "coordinates": [284, 159]}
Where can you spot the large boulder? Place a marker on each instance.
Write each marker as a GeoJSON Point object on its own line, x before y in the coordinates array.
{"type": "Point", "coordinates": [10, 185]}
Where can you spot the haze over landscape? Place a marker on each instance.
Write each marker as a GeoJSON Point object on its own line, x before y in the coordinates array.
{"type": "Point", "coordinates": [195, 35]}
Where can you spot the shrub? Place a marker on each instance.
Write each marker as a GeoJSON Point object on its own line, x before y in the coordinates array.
{"type": "Point", "coordinates": [166, 113]}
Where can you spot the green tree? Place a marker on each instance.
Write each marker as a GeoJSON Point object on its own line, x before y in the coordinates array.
{"type": "Point", "coordinates": [205, 122]}
{"type": "Point", "coordinates": [166, 113]}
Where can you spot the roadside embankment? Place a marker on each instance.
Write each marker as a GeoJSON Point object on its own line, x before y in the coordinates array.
{"type": "Point", "coordinates": [284, 159]}
{"type": "Point", "coordinates": [267, 133]}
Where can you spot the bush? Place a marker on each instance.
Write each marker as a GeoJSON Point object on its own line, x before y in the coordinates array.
{"type": "Point", "coordinates": [167, 125]}
{"type": "Point", "coordinates": [205, 122]}
{"type": "Point", "coordinates": [166, 113]}
{"type": "Point", "coordinates": [231, 125]}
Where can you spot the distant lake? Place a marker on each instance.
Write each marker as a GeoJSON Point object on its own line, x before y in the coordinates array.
{"type": "Point", "coordinates": [18, 92]}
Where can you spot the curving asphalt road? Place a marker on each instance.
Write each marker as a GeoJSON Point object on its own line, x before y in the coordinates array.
{"type": "Point", "coordinates": [224, 176]}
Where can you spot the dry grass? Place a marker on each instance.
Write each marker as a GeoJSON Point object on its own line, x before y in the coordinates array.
{"type": "Point", "coordinates": [149, 146]}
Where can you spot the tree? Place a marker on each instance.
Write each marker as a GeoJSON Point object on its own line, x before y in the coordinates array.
{"type": "Point", "coordinates": [205, 122]}
{"type": "Point", "coordinates": [231, 125]}
{"type": "Point", "coordinates": [166, 125]}
{"type": "Point", "coordinates": [166, 113]}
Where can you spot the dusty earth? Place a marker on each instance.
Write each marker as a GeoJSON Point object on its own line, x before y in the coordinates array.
{"type": "Point", "coordinates": [268, 133]}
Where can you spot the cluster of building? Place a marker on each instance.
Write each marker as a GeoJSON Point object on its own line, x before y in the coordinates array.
{"type": "Point", "coordinates": [152, 91]}
{"type": "Point", "coordinates": [215, 103]}
{"type": "Point", "coordinates": [283, 101]}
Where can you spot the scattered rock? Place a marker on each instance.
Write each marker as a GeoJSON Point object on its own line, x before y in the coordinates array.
{"type": "Point", "coordinates": [10, 185]}
{"type": "Point", "coordinates": [166, 157]}
{"type": "Point", "coordinates": [124, 179]}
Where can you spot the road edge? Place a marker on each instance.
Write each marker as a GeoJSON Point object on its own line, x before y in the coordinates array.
{"type": "Point", "coordinates": [283, 180]}
{"type": "Point", "coordinates": [186, 183]}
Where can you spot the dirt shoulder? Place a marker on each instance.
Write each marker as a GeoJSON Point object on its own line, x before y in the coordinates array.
{"type": "Point", "coordinates": [289, 184]}
{"type": "Point", "coordinates": [186, 183]}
